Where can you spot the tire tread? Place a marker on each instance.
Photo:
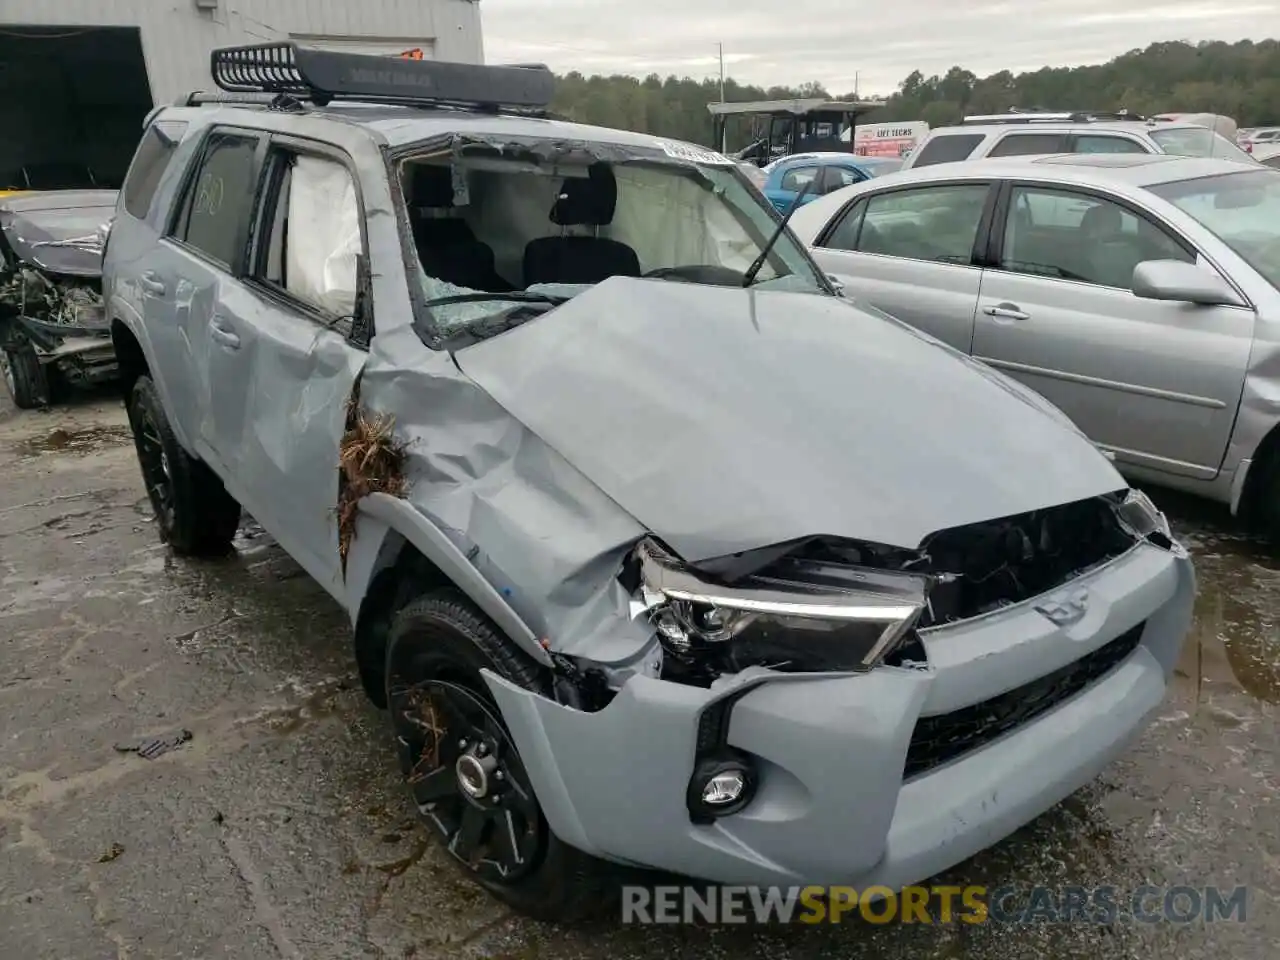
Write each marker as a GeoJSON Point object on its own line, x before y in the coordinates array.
{"type": "Point", "coordinates": [30, 379]}
{"type": "Point", "coordinates": [206, 517]}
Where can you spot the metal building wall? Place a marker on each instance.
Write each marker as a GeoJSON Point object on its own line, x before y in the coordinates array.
{"type": "Point", "coordinates": [177, 35]}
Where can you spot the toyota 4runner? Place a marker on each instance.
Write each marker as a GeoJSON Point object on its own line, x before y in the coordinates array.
{"type": "Point", "coordinates": [657, 550]}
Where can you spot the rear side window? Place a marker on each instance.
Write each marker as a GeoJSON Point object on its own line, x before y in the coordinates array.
{"type": "Point", "coordinates": [1029, 144]}
{"type": "Point", "coordinates": [795, 179]}
{"type": "Point", "coordinates": [1197, 142]}
{"type": "Point", "coordinates": [151, 160]}
{"type": "Point", "coordinates": [845, 234]}
{"type": "Point", "coordinates": [1101, 143]}
{"type": "Point", "coordinates": [936, 223]}
{"type": "Point", "coordinates": [948, 148]}
{"type": "Point", "coordinates": [839, 177]}
{"type": "Point", "coordinates": [215, 207]}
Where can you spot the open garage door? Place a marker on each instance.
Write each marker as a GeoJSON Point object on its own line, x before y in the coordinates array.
{"type": "Point", "coordinates": [72, 102]}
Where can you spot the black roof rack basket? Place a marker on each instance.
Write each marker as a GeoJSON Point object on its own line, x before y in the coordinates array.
{"type": "Point", "coordinates": [1121, 114]}
{"type": "Point", "coordinates": [321, 76]}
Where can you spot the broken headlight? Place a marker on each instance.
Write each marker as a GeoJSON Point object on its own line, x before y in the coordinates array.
{"type": "Point", "coordinates": [1143, 519]}
{"type": "Point", "coordinates": [802, 617]}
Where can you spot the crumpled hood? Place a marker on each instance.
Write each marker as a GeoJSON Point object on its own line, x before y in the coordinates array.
{"type": "Point", "coordinates": [727, 420]}
{"type": "Point", "coordinates": [37, 225]}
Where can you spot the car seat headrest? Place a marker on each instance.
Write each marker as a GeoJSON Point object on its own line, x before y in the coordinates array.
{"type": "Point", "coordinates": [588, 201]}
{"type": "Point", "coordinates": [431, 186]}
{"type": "Point", "coordinates": [1102, 219]}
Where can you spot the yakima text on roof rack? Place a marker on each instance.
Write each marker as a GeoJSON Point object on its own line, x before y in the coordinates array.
{"type": "Point", "coordinates": [321, 76]}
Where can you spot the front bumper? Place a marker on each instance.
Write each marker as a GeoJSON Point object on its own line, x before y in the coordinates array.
{"type": "Point", "coordinates": [832, 806]}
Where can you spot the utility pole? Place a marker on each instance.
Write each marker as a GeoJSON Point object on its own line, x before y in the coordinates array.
{"type": "Point", "coordinates": [724, 128]}
{"type": "Point", "coordinates": [720, 48]}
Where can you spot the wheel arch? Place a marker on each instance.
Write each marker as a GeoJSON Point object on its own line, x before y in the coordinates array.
{"type": "Point", "coordinates": [131, 359]}
{"type": "Point", "coordinates": [397, 553]}
{"type": "Point", "coordinates": [1263, 467]}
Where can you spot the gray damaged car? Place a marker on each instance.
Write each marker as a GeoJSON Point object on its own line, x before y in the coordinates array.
{"type": "Point", "coordinates": [657, 550]}
{"type": "Point", "coordinates": [53, 331]}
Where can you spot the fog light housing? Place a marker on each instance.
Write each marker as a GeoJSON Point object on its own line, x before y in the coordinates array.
{"type": "Point", "coordinates": [721, 785]}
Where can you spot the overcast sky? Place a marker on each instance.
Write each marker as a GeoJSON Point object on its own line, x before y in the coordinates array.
{"type": "Point", "coordinates": [794, 41]}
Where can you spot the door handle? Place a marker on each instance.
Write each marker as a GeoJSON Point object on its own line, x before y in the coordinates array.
{"type": "Point", "coordinates": [152, 283]}
{"type": "Point", "coordinates": [1005, 311]}
{"type": "Point", "coordinates": [221, 332]}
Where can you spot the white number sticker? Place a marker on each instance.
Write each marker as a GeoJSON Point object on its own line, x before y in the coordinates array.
{"type": "Point", "coordinates": [685, 151]}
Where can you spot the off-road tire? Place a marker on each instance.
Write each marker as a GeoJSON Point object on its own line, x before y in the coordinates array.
{"type": "Point", "coordinates": [203, 518]}
{"type": "Point", "coordinates": [566, 884]}
{"type": "Point", "coordinates": [30, 386]}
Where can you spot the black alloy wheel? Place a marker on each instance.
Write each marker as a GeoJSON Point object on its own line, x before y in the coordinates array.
{"type": "Point", "coordinates": [157, 474]}
{"type": "Point", "coordinates": [194, 513]}
{"type": "Point", "coordinates": [461, 764]}
{"type": "Point", "coordinates": [466, 777]}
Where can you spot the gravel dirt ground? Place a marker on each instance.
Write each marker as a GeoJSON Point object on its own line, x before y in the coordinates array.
{"type": "Point", "coordinates": [275, 825]}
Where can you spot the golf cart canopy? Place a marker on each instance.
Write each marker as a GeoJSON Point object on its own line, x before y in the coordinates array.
{"type": "Point", "coordinates": [780, 128]}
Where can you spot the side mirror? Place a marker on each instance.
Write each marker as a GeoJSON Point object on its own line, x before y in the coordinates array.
{"type": "Point", "coordinates": [836, 284]}
{"type": "Point", "coordinates": [1182, 282]}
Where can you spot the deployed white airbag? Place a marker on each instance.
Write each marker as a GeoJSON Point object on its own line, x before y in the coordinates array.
{"type": "Point", "coordinates": [324, 235]}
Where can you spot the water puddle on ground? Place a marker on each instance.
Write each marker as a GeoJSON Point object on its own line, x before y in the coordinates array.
{"type": "Point", "coordinates": [77, 441]}
{"type": "Point", "coordinates": [1235, 637]}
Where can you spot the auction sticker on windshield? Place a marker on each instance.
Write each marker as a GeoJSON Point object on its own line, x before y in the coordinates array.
{"type": "Point", "coordinates": [684, 151]}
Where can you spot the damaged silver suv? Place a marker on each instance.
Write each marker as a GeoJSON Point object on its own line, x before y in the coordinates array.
{"type": "Point", "coordinates": [658, 551]}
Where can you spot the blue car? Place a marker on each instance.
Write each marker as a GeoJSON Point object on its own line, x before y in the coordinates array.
{"type": "Point", "coordinates": [786, 177]}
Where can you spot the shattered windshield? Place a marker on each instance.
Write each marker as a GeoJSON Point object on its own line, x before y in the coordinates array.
{"type": "Point", "coordinates": [498, 241]}
{"type": "Point", "coordinates": [1241, 209]}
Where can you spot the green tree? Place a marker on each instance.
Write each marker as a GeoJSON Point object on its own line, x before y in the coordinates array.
{"type": "Point", "coordinates": [1240, 80]}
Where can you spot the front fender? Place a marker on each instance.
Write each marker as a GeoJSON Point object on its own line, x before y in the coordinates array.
{"type": "Point", "coordinates": [383, 516]}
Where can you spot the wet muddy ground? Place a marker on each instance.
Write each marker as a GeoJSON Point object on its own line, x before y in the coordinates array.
{"type": "Point", "coordinates": [189, 769]}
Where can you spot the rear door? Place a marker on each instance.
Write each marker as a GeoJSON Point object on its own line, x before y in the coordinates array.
{"type": "Point", "coordinates": [195, 274]}
{"type": "Point", "coordinates": [910, 251]}
{"type": "Point", "coordinates": [1156, 382]}
{"type": "Point", "coordinates": [133, 244]}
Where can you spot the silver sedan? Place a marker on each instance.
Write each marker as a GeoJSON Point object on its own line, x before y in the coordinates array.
{"type": "Point", "coordinates": [1138, 293]}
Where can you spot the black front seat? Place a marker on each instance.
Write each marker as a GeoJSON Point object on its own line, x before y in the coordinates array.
{"type": "Point", "coordinates": [447, 249]}
{"type": "Point", "coordinates": [583, 202]}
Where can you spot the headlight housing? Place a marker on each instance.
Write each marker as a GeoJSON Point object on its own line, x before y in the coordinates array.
{"type": "Point", "coordinates": [802, 617]}
{"type": "Point", "coordinates": [1143, 520]}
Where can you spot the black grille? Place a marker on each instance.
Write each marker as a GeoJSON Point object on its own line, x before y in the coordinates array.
{"type": "Point", "coordinates": [938, 740]}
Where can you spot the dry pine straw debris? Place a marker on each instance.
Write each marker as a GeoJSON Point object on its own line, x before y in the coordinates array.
{"type": "Point", "coordinates": [371, 460]}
